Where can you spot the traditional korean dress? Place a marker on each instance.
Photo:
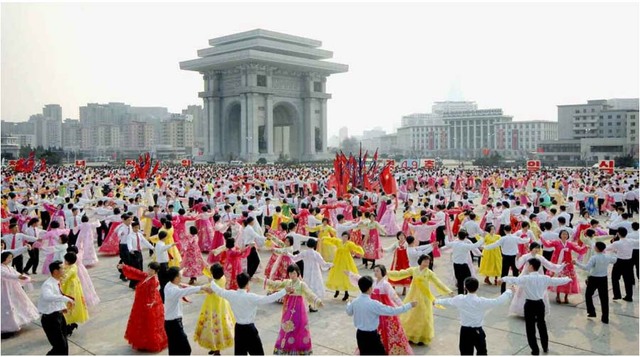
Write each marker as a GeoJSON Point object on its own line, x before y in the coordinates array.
{"type": "Point", "coordinates": [313, 267]}
{"type": "Point", "coordinates": [90, 295]}
{"type": "Point", "coordinates": [418, 322]}
{"type": "Point", "coordinates": [215, 326]}
{"type": "Point", "coordinates": [111, 243]}
{"type": "Point", "coordinates": [231, 260]}
{"type": "Point", "coordinates": [337, 280]}
{"type": "Point", "coordinates": [491, 262]}
{"type": "Point", "coordinates": [50, 240]}
{"type": "Point", "coordinates": [294, 337]}
{"type": "Point", "coordinates": [278, 271]}
{"type": "Point", "coordinates": [562, 254]}
{"type": "Point", "coordinates": [388, 221]}
{"type": "Point", "coordinates": [325, 249]}
{"type": "Point", "coordinates": [192, 262]}
{"type": "Point", "coordinates": [71, 286]}
{"type": "Point", "coordinates": [17, 308]}
{"type": "Point", "coordinates": [86, 237]}
{"type": "Point", "coordinates": [205, 232]}
{"type": "Point", "coordinates": [145, 329]}
{"type": "Point", "coordinates": [400, 262]}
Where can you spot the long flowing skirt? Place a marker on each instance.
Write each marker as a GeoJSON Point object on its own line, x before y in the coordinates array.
{"type": "Point", "coordinates": [392, 334]}
{"type": "Point", "coordinates": [294, 337]}
{"type": "Point", "coordinates": [517, 303]}
{"type": "Point", "coordinates": [418, 322]}
{"type": "Point", "coordinates": [372, 247]}
{"type": "Point", "coordinates": [110, 245]}
{"type": "Point", "coordinates": [17, 308]}
{"type": "Point", "coordinates": [491, 263]}
{"type": "Point", "coordinates": [389, 223]}
{"type": "Point", "coordinates": [572, 287]}
{"type": "Point", "coordinates": [401, 262]}
{"type": "Point", "coordinates": [205, 234]}
{"type": "Point", "coordinates": [215, 327]}
{"type": "Point", "coordinates": [90, 295]}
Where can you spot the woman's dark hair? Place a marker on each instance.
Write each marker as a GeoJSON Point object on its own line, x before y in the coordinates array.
{"type": "Point", "coordinates": [383, 269]}
{"type": "Point", "coordinates": [70, 258]}
{"type": "Point", "coordinates": [289, 239]}
{"type": "Point", "coordinates": [293, 267]}
{"type": "Point", "coordinates": [193, 230]}
{"type": "Point", "coordinates": [422, 258]}
{"type": "Point", "coordinates": [230, 243]}
{"type": "Point", "coordinates": [6, 255]}
{"type": "Point", "coordinates": [173, 273]}
{"type": "Point", "coordinates": [217, 271]}
{"type": "Point", "coordinates": [243, 279]}
{"type": "Point", "coordinates": [72, 249]}
{"type": "Point", "coordinates": [155, 266]}
{"type": "Point", "coordinates": [64, 239]}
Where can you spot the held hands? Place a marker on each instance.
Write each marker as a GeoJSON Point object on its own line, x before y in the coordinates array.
{"type": "Point", "coordinates": [414, 303]}
{"type": "Point", "coordinates": [23, 277]}
{"type": "Point", "coordinates": [512, 288]}
{"type": "Point", "coordinates": [289, 290]}
{"type": "Point", "coordinates": [207, 289]}
{"type": "Point", "coordinates": [119, 266]}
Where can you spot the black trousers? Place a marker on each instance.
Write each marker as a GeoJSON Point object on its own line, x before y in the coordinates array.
{"type": "Point", "coordinates": [622, 268]}
{"type": "Point", "coordinates": [508, 263]}
{"type": "Point", "coordinates": [162, 278]}
{"type": "Point", "coordinates": [73, 238]}
{"type": "Point", "coordinates": [472, 338]}
{"type": "Point", "coordinates": [547, 255]}
{"type": "Point", "coordinates": [267, 221]}
{"type": "Point", "coordinates": [601, 284]}
{"type": "Point", "coordinates": [369, 343]}
{"type": "Point", "coordinates": [246, 341]}
{"type": "Point", "coordinates": [300, 264]}
{"type": "Point", "coordinates": [253, 261]}
{"type": "Point", "coordinates": [635, 260]}
{"type": "Point", "coordinates": [45, 217]}
{"type": "Point", "coordinates": [461, 271]}
{"type": "Point", "coordinates": [18, 263]}
{"type": "Point", "coordinates": [534, 315]}
{"type": "Point", "coordinates": [354, 212]}
{"type": "Point", "coordinates": [34, 260]}
{"type": "Point", "coordinates": [600, 203]}
{"type": "Point", "coordinates": [178, 341]}
{"type": "Point", "coordinates": [501, 231]}
{"type": "Point", "coordinates": [135, 260]}
{"type": "Point", "coordinates": [102, 232]}
{"type": "Point", "coordinates": [124, 257]}
{"type": "Point", "coordinates": [55, 327]}
{"type": "Point", "coordinates": [440, 236]}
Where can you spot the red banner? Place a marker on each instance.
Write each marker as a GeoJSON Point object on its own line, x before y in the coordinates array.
{"type": "Point", "coordinates": [607, 166]}
{"type": "Point", "coordinates": [81, 163]}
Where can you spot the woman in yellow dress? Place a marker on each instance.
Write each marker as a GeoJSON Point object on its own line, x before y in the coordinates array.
{"type": "Point", "coordinates": [327, 250]}
{"type": "Point", "coordinates": [174, 254]}
{"type": "Point", "coordinates": [215, 327]}
{"type": "Point", "coordinates": [71, 286]}
{"type": "Point", "coordinates": [418, 322]}
{"type": "Point", "coordinates": [337, 280]}
{"type": "Point", "coordinates": [491, 262]}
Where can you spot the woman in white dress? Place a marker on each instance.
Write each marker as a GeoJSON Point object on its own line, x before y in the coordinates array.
{"type": "Point", "coordinates": [17, 308]}
{"type": "Point", "coordinates": [314, 264]}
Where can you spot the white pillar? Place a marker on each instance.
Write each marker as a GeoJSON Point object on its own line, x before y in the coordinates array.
{"type": "Point", "coordinates": [243, 125]}
{"type": "Point", "coordinates": [269, 124]}
{"type": "Point", "coordinates": [307, 137]}
{"type": "Point", "coordinates": [323, 120]}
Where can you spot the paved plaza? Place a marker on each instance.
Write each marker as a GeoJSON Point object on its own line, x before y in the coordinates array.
{"type": "Point", "coordinates": [332, 331]}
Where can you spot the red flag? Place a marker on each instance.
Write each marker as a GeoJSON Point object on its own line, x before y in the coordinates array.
{"type": "Point", "coordinates": [43, 165]}
{"type": "Point", "coordinates": [388, 182]}
{"type": "Point", "coordinates": [155, 168]}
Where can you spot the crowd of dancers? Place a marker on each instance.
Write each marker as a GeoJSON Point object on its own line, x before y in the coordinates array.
{"type": "Point", "coordinates": [204, 226]}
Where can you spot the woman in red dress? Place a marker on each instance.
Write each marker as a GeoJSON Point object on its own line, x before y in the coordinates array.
{"type": "Point", "coordinates": [231, 259]}
{"type": "Point", "coordinates": [145, 329]}
{"type": "Point", "coordinates": [400, 260]}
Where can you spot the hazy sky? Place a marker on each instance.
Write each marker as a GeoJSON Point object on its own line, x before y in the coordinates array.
{"type": "Point", "coordinates": [524, 58]}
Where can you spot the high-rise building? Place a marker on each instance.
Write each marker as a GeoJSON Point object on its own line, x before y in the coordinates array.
{"type": "Point", "coordinates": [47, 131]}
{"type": "Point", "coordinates": [103, 114]}
{"type": "Point", "coordinates": [71, 134]}
{"type": "Point", "coordinates": [53, 111]}
{"type": "Point", "coordinates": [199, 125]}
{"type": "Point", "coordinates": [137, 136]}
{"type": "Point", "coordinates": [177, 131]}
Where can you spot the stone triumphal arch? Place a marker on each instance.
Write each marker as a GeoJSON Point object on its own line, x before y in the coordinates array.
{"type": "Point", "coordinates": [264, 96]}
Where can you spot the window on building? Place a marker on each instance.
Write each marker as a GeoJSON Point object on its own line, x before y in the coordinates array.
{"type": "Point", "coordinates": [592, 110]}
{"type": "Point", "coordinates": [609, 124]}
{"type": "Point", "coordinates": [600, 117]}
{"type": "Point", "coordinates": [618, 116]}
{"type": "Point", "coordinates": [577, 111]}
{"type": "Point", "coordinates": [584, 110]}
{"type": "Point", "coordinates": [618, 123]}
{"type": "Point", "coordinates": [632, 116]}
{"type": "Point", "coordinates": [262, 80]}
{"type": "Point", "coordinates": [609, 116]}
{"type": "Point", "coordinates": [317, 87]}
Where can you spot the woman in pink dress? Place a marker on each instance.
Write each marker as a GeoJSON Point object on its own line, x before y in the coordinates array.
{"type": "Point", "coordinates": [179, 223]}
{"type": "Point", "coordinates": [303, 219]}
{"type": "Point", "coordinates": [563, 254]}
{"type": "Point", "coordinates": [231, 259]}
{"type": "Point", "coordinates": [17, 308]}
{"type": "Point", "coordinates": [111, 243]}
{"type": "Point", "coordinates": [392, 334]}
{"type": "Point", "coordinates": [388, 220]}
{"type": "Point", "coordinates": [278, 271]}
{"type": "Point", "coordinates": [86, 232]}
{"type": "Point", "coordinates": [205, 229]}
{"type": "Point", "coordinates": [49, 240]}
{"type": "Point", "coordinates": [371, 239]}
{"type": "Point", "coordinates": [192, 262]}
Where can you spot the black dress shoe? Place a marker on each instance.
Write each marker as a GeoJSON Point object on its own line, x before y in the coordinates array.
{"type": "Point", "coordinates": [616, 298]}
{"type": "Point", "coordinates": [346, 296]}
{"type": "Point", "coordinates": [591, 315]}
{"type": "Point", "coordinates": [627, 299]}
{"type": "Point", "coordinates": [605, 322]}
{"type": "Point", "coordinates": [336, 294]}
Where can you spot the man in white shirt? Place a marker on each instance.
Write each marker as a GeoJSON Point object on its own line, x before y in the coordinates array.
{"type": "Point", "coordinates": [414, 251]}
{"type": "Point", "coordinates": [509, 244]}
{"type": "Point", "coordinates": [173, 292]}
{"type": "Point", "coordinates": [135, 243]}
{"type": "Point", "coordinates": [623, 247]}
{"type": "Point", "coordinates": [268, 210]}
{"type": "Point", "coordinates": [123, 232]}
{"type": "Point", "coordinates": [366, 314]}
{"type": "Point", "coordinates": [249, 237]}
{"type": "Point", "coordinates": [15, 240]}
{"type": "Point", "coordinates": [52, 304]}
{"type": "Point", "coordinates": [472, 310]}
{"type": "Point", "coordinates": [460, 257]}
{"type": "Point", "coordinates": [244, 306]}
{"type": "Point", "coordinates": [534, 286]}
